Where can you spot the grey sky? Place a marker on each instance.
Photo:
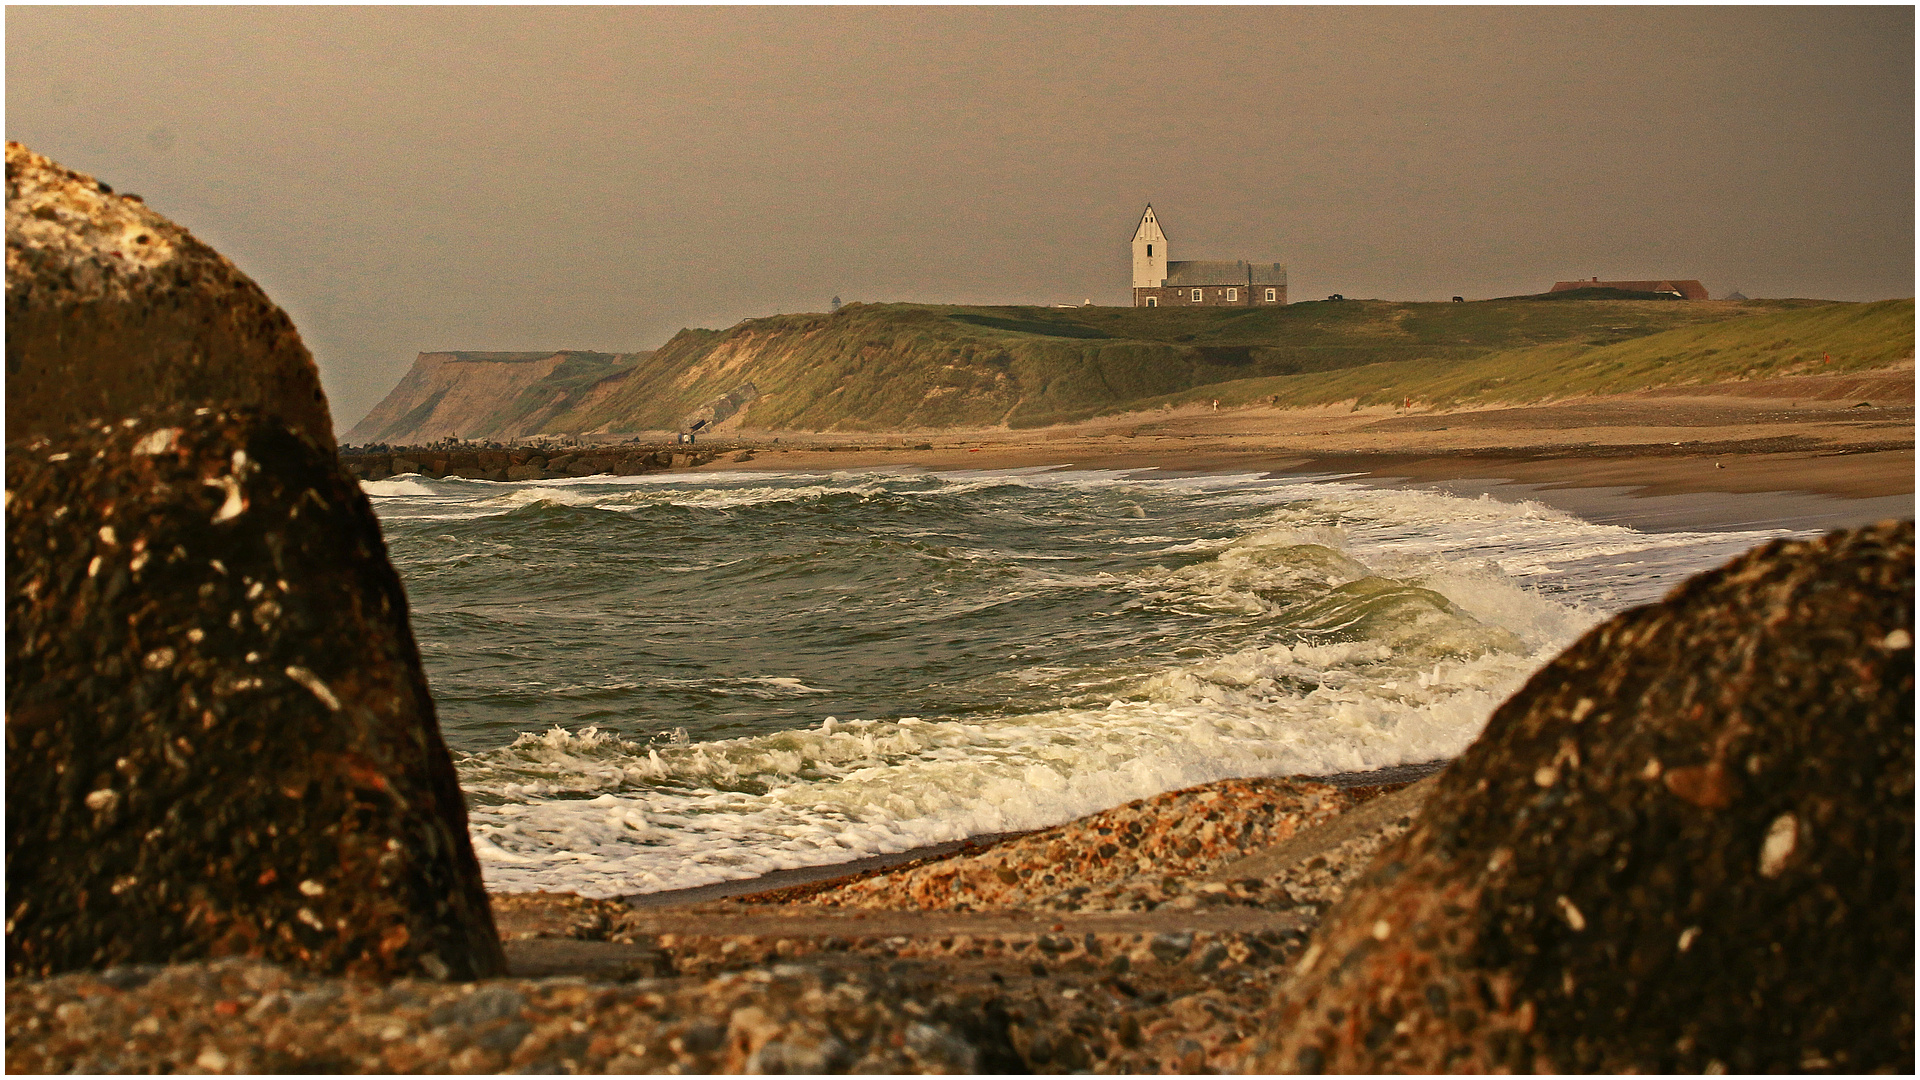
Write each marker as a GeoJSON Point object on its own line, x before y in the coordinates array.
{"type": "Point", "coordinates": [417, 178]}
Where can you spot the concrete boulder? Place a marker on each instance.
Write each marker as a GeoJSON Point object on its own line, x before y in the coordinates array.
{"type": "Point", "coordinates": [1685, 845]}
{"type": "Point", "coordinates": [114, 311]}
{"type": "Point", "coordinates": [219, 739]}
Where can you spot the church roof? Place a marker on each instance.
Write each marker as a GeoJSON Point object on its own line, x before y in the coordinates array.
{"type": "Point", "coordinates": [1196, 272]}
{"type": "Point", "coordinates": [1147, 219]}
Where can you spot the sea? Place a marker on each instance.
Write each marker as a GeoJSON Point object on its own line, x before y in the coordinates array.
{"type": "Point", "coordinates": [660, 682]}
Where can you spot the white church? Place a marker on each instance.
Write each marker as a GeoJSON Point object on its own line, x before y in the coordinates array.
{"type": "Point", "coordinates": [1159, 282]}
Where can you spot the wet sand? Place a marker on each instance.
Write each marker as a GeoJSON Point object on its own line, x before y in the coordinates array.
{"type": "Point", "coordinates": [1625, 459]}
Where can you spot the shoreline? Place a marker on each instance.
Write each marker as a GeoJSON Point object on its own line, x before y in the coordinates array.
{"type": "Point", "coordinates": [782, 886]}
{"type": "Point", "coordinates": [1629, 459]}
{"type": "Point", "coordinates": [1799, 490]}
{"type": "Point", "coordinates": [1614, 459]}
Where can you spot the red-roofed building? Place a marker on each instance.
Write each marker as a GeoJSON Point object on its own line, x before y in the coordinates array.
{"type": "Point", "coordinates": [1686, 290]}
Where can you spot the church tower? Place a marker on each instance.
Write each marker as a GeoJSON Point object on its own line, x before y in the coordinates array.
{"type": "Point", "coordinates": [1149, 253]}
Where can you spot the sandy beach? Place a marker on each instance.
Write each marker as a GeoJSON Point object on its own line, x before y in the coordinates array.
{"type": "Point", "coordinates": [1840, 448]}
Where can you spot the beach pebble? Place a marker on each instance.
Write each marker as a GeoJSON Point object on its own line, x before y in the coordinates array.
{"type": "Point", "coordinates": [1135, 857]}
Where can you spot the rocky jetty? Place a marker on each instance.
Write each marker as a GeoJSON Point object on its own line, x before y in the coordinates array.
{"type": "Point", "coordinates": [219, 736]}
{"type": "Point", "coordinates": [114, 311]}
{"type": "Point", "coordinates": [1685, 845]}
{"type": "Point", "coordinates": [524, 463]}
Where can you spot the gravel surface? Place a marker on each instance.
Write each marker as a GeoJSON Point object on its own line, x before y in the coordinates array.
{"type": "Point", "coordinates": [1135, 857]}
{"type": "Point", "coordinates": [1134, 962]}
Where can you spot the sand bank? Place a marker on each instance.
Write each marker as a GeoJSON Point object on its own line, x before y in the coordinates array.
{"type": "Point", "coordinates": [1642, 459]}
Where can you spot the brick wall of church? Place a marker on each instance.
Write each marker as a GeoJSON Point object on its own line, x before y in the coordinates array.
{"type": "Point", "coordinates": [1211, 296]}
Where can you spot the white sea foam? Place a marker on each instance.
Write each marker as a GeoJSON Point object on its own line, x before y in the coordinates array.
{"type": "Point", "coordinates": [1390, 625]}
{"type": "Point", "coordinates": [402, 485]}
{"type": "Point", "coordinates": [589, 811]}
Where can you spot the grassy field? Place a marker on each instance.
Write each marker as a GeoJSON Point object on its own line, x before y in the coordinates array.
{"type": "Point", "coordinates": [878, 367]}
{"type": "Point", "coordinates": [1828, 339]}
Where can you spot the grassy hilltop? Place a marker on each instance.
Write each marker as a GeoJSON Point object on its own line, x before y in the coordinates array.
{"type": "Point", "coordinates": [882, 367]}
{"type": "Point", "coordinates": [1824, 339]}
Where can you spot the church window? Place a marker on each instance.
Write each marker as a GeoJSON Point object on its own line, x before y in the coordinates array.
{"type": "Point", "coordinates": [1153, 301]}
{"type": "Point", "coordinates": [1272, 296]}
{"type": "Point", "coordinates": [1233, 296]}
{"type": "Point", "coordinates": [1199, 295]}
{"type": "Point", "coordinates": [1149, 251]}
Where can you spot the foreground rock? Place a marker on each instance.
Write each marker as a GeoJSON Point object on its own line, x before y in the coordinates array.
{"type": "Point", "coordinates": [1685, 845]}
{"type": "Point", "coordinates": [114, 311]}
{"type": "Point", "coordinates": [219, 740]}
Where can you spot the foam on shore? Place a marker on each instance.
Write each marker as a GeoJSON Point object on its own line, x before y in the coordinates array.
{"type": "Point", "coordinates": [1414, 680]}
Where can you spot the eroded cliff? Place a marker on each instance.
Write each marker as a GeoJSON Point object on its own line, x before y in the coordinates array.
{"type": "Point", "coordinates": [487, 394]}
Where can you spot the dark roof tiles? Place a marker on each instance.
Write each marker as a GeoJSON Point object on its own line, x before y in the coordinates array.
{"type": "Point", "coordinates": [1183, 274]}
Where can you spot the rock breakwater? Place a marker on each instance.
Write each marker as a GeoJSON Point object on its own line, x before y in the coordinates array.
{"type": "Point", "coordinates": [523, 463]}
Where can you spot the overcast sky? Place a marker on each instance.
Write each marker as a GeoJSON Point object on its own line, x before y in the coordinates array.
{"type": "Point", "coordinates": [421, 178]}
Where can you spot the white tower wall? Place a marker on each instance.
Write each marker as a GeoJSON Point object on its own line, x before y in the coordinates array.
{"type": "Point", "coordinates": [1149, 253]}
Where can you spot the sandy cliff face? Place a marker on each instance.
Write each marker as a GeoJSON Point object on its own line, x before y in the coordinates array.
{"type": "Point", "coordinates": [484, 395]}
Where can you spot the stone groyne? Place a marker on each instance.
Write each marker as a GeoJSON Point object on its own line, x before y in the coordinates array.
{"type": "Point", "coordinates": [526, 463]}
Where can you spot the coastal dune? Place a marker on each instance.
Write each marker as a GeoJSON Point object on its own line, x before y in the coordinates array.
{"type": "Point", "coordinates": [489, 394]}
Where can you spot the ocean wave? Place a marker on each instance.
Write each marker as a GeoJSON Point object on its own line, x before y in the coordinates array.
{"type": "Point", "coordinates": [401, 486]}
{"type": "Point", "coordinates": [1382, 672]}
{"type": "Point", "coordinates": [656, 721]}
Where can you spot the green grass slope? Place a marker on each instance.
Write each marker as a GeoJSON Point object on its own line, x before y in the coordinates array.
{"type": "Point", "coordinates": [877, 367]}
{"type": "Point", "coordinates": [1824, 339]}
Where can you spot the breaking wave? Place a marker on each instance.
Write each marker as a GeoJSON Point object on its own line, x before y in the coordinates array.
{"type": "Point", "coordinates": [656, 683]}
